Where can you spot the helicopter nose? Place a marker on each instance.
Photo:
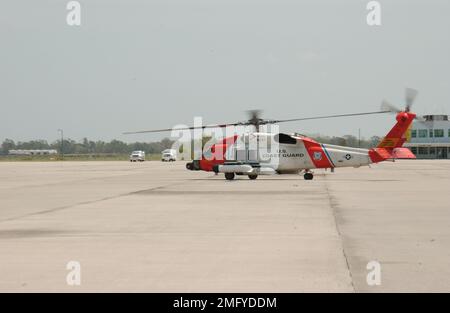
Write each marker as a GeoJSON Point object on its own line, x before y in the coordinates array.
{"type": "Point", "coordinates": [193, 166]}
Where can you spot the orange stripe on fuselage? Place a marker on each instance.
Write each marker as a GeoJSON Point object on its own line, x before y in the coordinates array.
{"type": "Point", "coordinates": [316, 153]}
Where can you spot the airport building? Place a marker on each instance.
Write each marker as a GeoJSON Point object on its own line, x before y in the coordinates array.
{"type": "Point", "coordinates": [430, 139]}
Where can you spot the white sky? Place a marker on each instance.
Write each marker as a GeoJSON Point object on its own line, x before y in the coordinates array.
{"type": "Point", "coordinates": [135, 65]}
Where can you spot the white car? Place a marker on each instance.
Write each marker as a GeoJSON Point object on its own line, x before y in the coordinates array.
{"type": "Point", "coordinates": [137, 156]}
{"type": "Point", "coordinates": [169, 155]}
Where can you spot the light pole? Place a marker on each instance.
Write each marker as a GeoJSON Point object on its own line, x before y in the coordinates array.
{"type": "Point", "coordinates": [359, 137]}
{"type": "Point", "coordinates": [62, 142]}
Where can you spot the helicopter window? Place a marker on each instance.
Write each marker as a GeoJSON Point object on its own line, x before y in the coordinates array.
{"type": "Point", "coordinates": [286, 139]}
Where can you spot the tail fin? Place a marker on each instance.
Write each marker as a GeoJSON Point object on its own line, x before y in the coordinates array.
{"type": "Point", "coordinates": [391, 145]}
{"type": "Point", "coordinates": [397, 136]}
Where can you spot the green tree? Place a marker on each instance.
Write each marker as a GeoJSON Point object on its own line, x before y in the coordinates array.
{"type": "Point", "coordinates": [351, 141]}
{"type": "Point", "coordinates": [7, 145]}
{"type": "Point", "coordinates": [33, 145]}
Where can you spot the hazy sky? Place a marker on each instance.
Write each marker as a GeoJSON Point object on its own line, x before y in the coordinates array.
{"type": "Point", "coordinates": [155, 63]}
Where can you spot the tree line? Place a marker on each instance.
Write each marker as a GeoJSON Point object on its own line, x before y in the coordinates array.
{"type": "Point", "coordinates": [86, 146]}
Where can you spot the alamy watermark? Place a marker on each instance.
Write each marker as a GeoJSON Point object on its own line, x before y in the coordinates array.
{"type": "Point", "coordinates": [73, 278]}
{"type": "Point", "coordinates": [213, 142]}
{"type": "Point", "coordinates": [373, 18]}
{"type": "Point", "coordinates": [73, 17]}
{"type": "Point", "coordinates": [373, 278]}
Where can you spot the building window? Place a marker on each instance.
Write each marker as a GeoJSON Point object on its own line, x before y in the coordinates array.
{"type": "Point", "coordinates": [414, 133]}
{"type": "Point", "coordinates": [432, 151]}
{"type": "Point", "coordinates": [423, 133]}
{"type": "Point", "coordinates": [449, 132]}
{"type": "Point", "coordinates": [414, 150]}
{"type": "Point", "coordinates": [423, 150]}
{"type": "Point", "coordinates": [431, 133]}
{"type": "Point", "coordinates": [439, 133]}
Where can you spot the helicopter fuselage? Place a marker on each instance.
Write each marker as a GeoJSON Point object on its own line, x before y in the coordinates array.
{"type": "Point", "coordinates": [259, 153]}
{"type": "Point", "coordinates": [278, 153]}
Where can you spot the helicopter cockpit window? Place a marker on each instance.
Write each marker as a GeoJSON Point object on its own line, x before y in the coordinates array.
{"type": "Point", "coordinates": [285, 139]}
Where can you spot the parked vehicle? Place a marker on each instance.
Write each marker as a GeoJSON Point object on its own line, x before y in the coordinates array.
{"type": "Point", "coordinates": [169, 155]}
{"type": "Point", "coordinates": [137, 156]}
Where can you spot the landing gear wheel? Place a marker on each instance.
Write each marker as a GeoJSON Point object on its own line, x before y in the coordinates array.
{"type": "Point", "coordinates": [229, 176]}
{"type": "Point", "coordinates": [308, 176]}
{"type": "Point", "coordinates": [253, 177]}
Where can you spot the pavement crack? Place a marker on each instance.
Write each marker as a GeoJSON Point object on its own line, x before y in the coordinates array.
{"type": "Point", "coordinates": [334, 209]}
{"type": "Point", "coordinates": [66, 207]}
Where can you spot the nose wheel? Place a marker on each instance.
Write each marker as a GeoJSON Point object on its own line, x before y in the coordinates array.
{"type": "Point", "coordinates": [308, 176]}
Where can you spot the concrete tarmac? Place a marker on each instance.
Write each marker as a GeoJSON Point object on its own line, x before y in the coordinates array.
{"type": "Point", "coordinates": [157, 227]}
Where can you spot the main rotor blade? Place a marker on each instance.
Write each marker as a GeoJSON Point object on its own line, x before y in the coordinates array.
{"type": "Point", "coordinates": [387, 106]}
{"type": "Point", "coordinates": [327, 116]}
{"type": "Point", "coordinates": [182, 128]}
{"type": "Point", "coordinates": [261, 122]}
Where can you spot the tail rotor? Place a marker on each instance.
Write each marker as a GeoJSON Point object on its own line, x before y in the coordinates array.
{"type": "Point", "coordinates": [410, 97]}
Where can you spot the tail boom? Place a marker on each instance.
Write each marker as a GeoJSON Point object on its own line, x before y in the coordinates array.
{"type": "Point", "coordinates": [382, 154]}
{"type": "Point", "coordinates": [391, 147]}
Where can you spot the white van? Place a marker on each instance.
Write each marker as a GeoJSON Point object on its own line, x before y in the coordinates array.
{"type": "Point", "coordinates": [169, 155]}
{"type": "Point", "coordinates": [137, 156]}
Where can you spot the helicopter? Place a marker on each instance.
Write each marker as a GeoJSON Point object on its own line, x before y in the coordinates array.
{"type": "Point", "coordinates": [267, 153]}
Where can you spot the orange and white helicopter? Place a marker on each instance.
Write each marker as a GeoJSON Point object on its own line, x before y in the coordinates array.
{"type": "Point", "coordinates": [280, 153]}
